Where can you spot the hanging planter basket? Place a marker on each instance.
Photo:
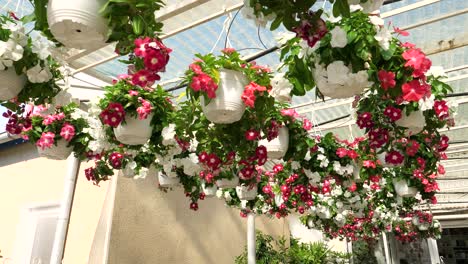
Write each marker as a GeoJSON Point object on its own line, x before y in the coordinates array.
{"type": "Point", "coordinates": [227, 107]}
{"type": "Point", "coordinates": [333, 90]}
{"type": "Point", "coordinates": [135, 131]}
{"type": "Point", "coordinates": [415, 122]}
{"type": "Point", "coordinates": [78, 24]}
{"type": "Point", "coordinates": [246, 192]}
{"type": "Point", "coordinates": [59, 152]}
{"type": "Point", "coordinates": [277, 148]}
{"type": "Point", "coordinates": [228, 183]}
{"type": "Point", "coordinates": [11, 84]}
{"type": "Point", "coordinates": [165, 181]}
{"type": "Point", "coordinates": [209, 191]}
{"type": "Point", "coordinates": [403, 190]}
{"type": "Point", "coordinates": [421, 226]}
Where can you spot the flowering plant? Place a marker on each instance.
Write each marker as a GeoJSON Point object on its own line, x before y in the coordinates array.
{"type": "Point", "coordinates": [125, 100]}
{"type": "Point", "coordinates": [126, 20]}
{"type": "Point", "coordinates": [203, 76]}
{"type": "Point", "coordinates": [67, 123]}
{"type": "Point", "coordinates": [30, 56]}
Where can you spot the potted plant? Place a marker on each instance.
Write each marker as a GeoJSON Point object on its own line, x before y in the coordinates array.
{"type": "Point", "coordinates": [90, 24]}
{"type": "Point", "coordinates": [133, 113]}
{"type": "Point", "coordinates": [58, 134]}
{"type": "Point", "coordinates": [225, 85]}
{"type": "Point", "coordinates": [27, 71]}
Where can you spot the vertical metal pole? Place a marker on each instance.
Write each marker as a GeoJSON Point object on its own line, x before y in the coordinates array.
{"type": "Point", "coordinates": [65, 210]}
{"type": "Point", "coordinates": [388, 260]}
{"type": "Point", "coordinates": [251, 238]}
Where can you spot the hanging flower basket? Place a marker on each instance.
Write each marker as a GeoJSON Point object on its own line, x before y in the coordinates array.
{"type": "Point", "coordinates": [277, 148]}
{"type": "Point", "coordinates": [228, 183]}
{"type": "Point", "coordinates": [12, 84]}
{"type": "Point", "coordinates": [209, 191]}
{"type": "Point", "coordinates": [246, 192]}
{"type": "Point", "coordinates": [165, 181]}
{"type": "Point", "coordinates": [77, 24]}
{"type": "Point", "coordinates": [135, 131]}
{"type": "Point", "coordinates": [350, 85]}
{"type": "Point", "coordinates": [415, 122]}
{"type": "Point", "coordinates": [421, 226]}
{"type": "Point", "coordinates": [403, 190]}
{"type": "Point", "coordinates": [227, 107]}
{"type": "Point", "coordinates": [59, 152]}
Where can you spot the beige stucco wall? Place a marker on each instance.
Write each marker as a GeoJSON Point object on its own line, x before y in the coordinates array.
{"type": "Point", "coordinates": [26, 179]}
{"type": "Point", "coordinates": [154, 227]}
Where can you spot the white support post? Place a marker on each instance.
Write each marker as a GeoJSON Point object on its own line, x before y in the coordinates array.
{"type": "Point", "coordinates": [433, 251]}
{"type": "Point", "coordinates": [251, 238]}
{"type": "Point", "coordinates": [65, 210]}
{"type": "Point", "coordinates": [388, 260]}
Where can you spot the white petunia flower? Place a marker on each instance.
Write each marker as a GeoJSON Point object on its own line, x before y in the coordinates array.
{"type": "Point", "coordinates": [436, 71]}
{"type": "Point", "coordinates": [307, 156]}
{"type": "Point", "coordinates": [426, 103]}
{"type": "Point", "coordinates": [37, 74]}
{"type": "Point", "coordinates": [383, 36]}
{"type": "Point", "coordinates": [168, 134]}
{"type": "Point", "coordinates": [339, 38]}
{"type": "Point", "coordinates": [281, 88]}
{"type": "Point", "coordinates": [5, 63]}
{"type": "Point", "coordinates": [227, 197]}
{"type": "Point", "coordinates": [11, 50]}
{"type": "Point", "coordinates": [377, 21]}
{"type": "Point", "coordinates": [41, 46]}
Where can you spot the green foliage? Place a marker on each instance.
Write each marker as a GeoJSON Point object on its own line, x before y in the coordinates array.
{"type": "Point", "coordinates": [130, 19]}
{"type": "Point", "coordinates": [271, 251]}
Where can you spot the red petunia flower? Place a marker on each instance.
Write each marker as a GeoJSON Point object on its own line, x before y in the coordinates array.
{"type": "Point", "coordinates": [387, 79]}
{"type": "Point", "coordinates": [414, 90]}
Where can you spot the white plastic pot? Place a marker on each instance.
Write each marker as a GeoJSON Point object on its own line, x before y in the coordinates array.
{"type": "Point", "coordinates": [277, 148]}
{"type": "Point", "coordinates": [403, 190]}
{"type": "Point", "coordinates": [11, 84]}
{"type": "Point", "coordinates": [415, 122]}
{"type": "Point", "coordinates": [246, 192]}
{"type": "Point", "coordinates": [165, 181]}
{"type": "Point", "coordinates": [59, 152]}
{"type": "Point", "coordinates": [77, 23]}
{"type": "Point", "coordinates": [342, 89]}
{"type": "Point", "coordinates": [135, 131]}
{"type": "Point", "coordinates": [226, 183]}
{"type": "Point", "coordinates": [228, 106]}
{"type": "Point", "coordinates": [209, 191]}
{"type": "Point", "coordinates": [421, 226]}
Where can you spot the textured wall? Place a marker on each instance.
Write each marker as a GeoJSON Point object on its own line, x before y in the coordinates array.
{"type": "Point", "coordinates": [26, 179]}
{"type": "Point", "coordinates": [154, 227]}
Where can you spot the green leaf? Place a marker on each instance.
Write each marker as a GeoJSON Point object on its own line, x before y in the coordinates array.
{"type": "Point", "coordinates": [276, 23]}
{"type": "Point", "coordinates": [137, 24]}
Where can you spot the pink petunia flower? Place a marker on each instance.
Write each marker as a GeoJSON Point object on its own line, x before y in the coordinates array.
{"type": "Point", "coordinates": [46, 140]}
{"type": "Point", "coordinates": [67, 132]}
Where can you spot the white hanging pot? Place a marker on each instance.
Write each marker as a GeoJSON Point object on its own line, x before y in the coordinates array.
{"type": "Point", "coordinates": [415, 122]}
{"type": "Point", "coordinates": [226, 183]}
{"type": "Point", "coordinates": [165, 181]}
{"type": "Point", "coordinates": [11, 84]}
{"type": "Point", "coordinates": [371, 6]}
{"type": "Point", "coordinates": [246, 192]}
{"type": "Point", "coordinates": [344, 89]}
{"type": "Point", "coordinates": [78, 24]}
{"type": "Point", "coordinates": [403, 190]}
{"type": "Point", "coordinates": [421, 226]}
{"type": "Point", "coordinates": [135, 131]}
{"type": "Point", "coordinates": [277, 148]}
{"type": "Point", "coordinates": [228, 106]}
{"type": "Point", "coordinates": [59, 152]}
{"type": "Point", "coordinates": [209, 191]}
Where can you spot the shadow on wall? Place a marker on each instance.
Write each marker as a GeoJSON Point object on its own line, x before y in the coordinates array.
{"type": "Point", "coordinates": [22, 152]}
{"type": "Point", "coordinates": [150, 226]}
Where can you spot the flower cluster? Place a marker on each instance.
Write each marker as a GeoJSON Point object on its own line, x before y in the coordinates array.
{"type": "Point", "coordinates": [154, 56]}
{"type": "Point", "coordinates": [28, 60]}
